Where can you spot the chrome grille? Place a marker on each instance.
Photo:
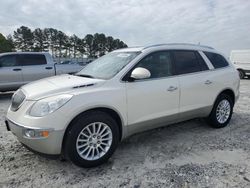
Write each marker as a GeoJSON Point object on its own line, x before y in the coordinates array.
{"type": "Point", "coordinates": [17, 100]}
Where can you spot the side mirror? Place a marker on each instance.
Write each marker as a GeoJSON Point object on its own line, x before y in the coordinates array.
{"type": "Point", "coordinates": [140, 73]}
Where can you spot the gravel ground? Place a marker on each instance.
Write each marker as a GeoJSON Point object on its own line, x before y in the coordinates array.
{"type": "Point", "coordinates": [189, 154]}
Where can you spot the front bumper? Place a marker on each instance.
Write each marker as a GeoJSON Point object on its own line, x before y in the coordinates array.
{"type": "Point", "coordinates": [50, 145]}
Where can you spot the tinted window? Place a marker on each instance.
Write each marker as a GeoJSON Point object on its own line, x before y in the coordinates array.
{"type": "Point", "coordinates": [186, 62]}
{"type": "Point", "coordinates": [217, 60]}
{"type": "Point", "coordinates": [202, 63]}
{"type": "Point", "coordinates": [159, 64]}
{"type": "Point", "coordinates": [32, 59]}
{"type": "Point", "coordinates": [8, 61]}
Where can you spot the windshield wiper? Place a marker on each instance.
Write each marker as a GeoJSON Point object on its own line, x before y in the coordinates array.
{"type": "Point", "coordinates": [85, 75]}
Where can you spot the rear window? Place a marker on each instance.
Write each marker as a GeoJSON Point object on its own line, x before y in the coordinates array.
{"type": "Point", "coordinates": [217, 60]}
{"type": "Point", "coordinates": [186, 62]}
{"type": "Point", "coordinates": [32, 59]}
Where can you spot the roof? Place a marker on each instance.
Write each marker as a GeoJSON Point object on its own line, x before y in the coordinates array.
{"type": "Point", "coordinates": [10, 53]}
{"type": "Point", "coordinates": [184, 46]}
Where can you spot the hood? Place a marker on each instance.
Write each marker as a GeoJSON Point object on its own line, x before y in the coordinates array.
{"type": "Point", "coordinates": [57, 84]}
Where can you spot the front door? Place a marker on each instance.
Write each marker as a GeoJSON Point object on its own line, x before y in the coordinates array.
{"type": "Point", "coordinates": [154, 101]}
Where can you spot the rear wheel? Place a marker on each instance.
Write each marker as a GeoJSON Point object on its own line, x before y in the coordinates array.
{"type": "Point", "coordinates": [92, 139]}
{"type": "Point", "coordinates": [241, 74]}
{"type": "Point", "coordinates": [221, 112]}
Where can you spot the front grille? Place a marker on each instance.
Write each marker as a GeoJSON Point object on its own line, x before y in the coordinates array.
{"type": "Point", "coordinates": [17, 100]}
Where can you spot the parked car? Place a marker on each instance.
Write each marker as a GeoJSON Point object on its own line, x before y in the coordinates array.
{"type": "Point", "coordinates": [19, 68]}
{"type": "Point", "coordinates": [83, 117]}
{"type": "Point", "coordinates": [241, 59]}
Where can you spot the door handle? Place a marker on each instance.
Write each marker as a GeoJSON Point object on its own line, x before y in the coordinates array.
{"type": "Point", "coordinates": [208, 82]}
{"type": "Point", "coordinates": [48, 68]}
{"type": "Point", "coordinates": [17, 69]}
{"type": "Point", "coordinates": [172, 88]}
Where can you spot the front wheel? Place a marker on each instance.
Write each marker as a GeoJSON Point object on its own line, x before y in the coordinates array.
{"type": "Point", "coordinates": [221, 112]}
{"type": "Point", "coordinates": [92, 139]}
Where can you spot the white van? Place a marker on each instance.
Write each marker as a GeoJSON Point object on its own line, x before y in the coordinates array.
{"type": "Point", "coordinates": [241, 59]}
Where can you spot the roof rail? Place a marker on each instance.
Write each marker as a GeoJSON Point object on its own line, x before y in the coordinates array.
{"type": "Point", "coordinates": [197, 45]}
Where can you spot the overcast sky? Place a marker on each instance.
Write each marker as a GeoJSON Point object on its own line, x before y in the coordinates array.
{"type": "Point", "coordinates": [223, 24]}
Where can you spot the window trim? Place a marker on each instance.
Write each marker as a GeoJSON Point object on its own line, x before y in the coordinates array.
{"type": "Point", "coordinates": [125, 77]}
{"type": "Point", "coordinates": [209, 64]}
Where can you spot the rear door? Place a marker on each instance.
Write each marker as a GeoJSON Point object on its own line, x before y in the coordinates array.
{"type": "Point", "coordinates": [35, 67]}
{"type": "Point", "coordinates": [10, 72]}
{"type": "Point", "coordinates": [196, 83]}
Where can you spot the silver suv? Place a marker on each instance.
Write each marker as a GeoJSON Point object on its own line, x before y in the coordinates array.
{"type": "Point", "coordinates": [84, 116]}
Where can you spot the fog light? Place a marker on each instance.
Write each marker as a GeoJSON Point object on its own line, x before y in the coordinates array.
{"type": "Point", "coordinates": [33, 133]}
{"type": "Point", "coordinates": [29, 133]}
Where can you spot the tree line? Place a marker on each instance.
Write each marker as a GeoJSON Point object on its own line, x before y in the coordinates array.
{"type": "Point", "coordinates": [58, 43]}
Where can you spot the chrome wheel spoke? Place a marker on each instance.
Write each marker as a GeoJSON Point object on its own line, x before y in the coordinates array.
{"type": "Point", "coordinates": [93, 126]}
{"type": "Point", "coordinates": [82, 133]}
{"type": "Point", "coordinates": [93, 153]}
{"type": "Point", "coordinates": [102, 148]}
{"type": "Point", "coordinates": [84, 150]}
{"type": "Point", "coordinates": [105, 134]}
{"type": "Point", "coordinates": [105, 139]}
{"type": "Point", "coordinates": [103, 130]}
{"type": "Point", "coordinates": [89, 131]}
{"type": "Point", "coordinates": [81, 146]}
{"type": "Point", "coordinates": [99, 128]}
{"type": "Point", "coordinates": [90, 149]}
{"type": "Point", "coordinates": [98, 152]}
{"type": "Point", "coordinates": [82, 140]}
{"type": "Point", "coordinates": [105, 144]}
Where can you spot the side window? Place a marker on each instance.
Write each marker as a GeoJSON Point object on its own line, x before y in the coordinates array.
{"type": "Point", "coordinates": [203, 64]}
{"type": "Point", "coordinates": [32, 59]}
{"type": "Point", "coordinates": [8, 61]}
{"type": "Point", "coordinates": [186, 62]}
{"type": "Point", "coordinates": [218, 61]}
{"type": "Point", "coordinates": [159, 64]}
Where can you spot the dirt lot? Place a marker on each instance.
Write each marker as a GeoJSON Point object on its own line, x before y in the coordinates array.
{"type": "Point", "coordinates": [189, 154]}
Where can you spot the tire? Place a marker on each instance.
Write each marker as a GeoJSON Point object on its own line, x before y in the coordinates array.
{"type": "Point", "coordinates": [241, 74]}
{"type": "Point", "coordinates": [91, 121]}
{"type": "Point", "coordinates": [214, 117]}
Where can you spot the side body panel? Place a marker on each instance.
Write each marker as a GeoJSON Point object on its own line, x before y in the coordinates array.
{"type": "Point", "coordinates": [150, 104]}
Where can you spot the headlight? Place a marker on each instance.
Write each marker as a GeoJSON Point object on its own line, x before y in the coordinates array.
{"type": "Point", "coordinates": [48, 105]}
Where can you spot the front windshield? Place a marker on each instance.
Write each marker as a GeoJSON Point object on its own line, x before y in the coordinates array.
{"type": "Point", "coordinates": [108, 65]}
